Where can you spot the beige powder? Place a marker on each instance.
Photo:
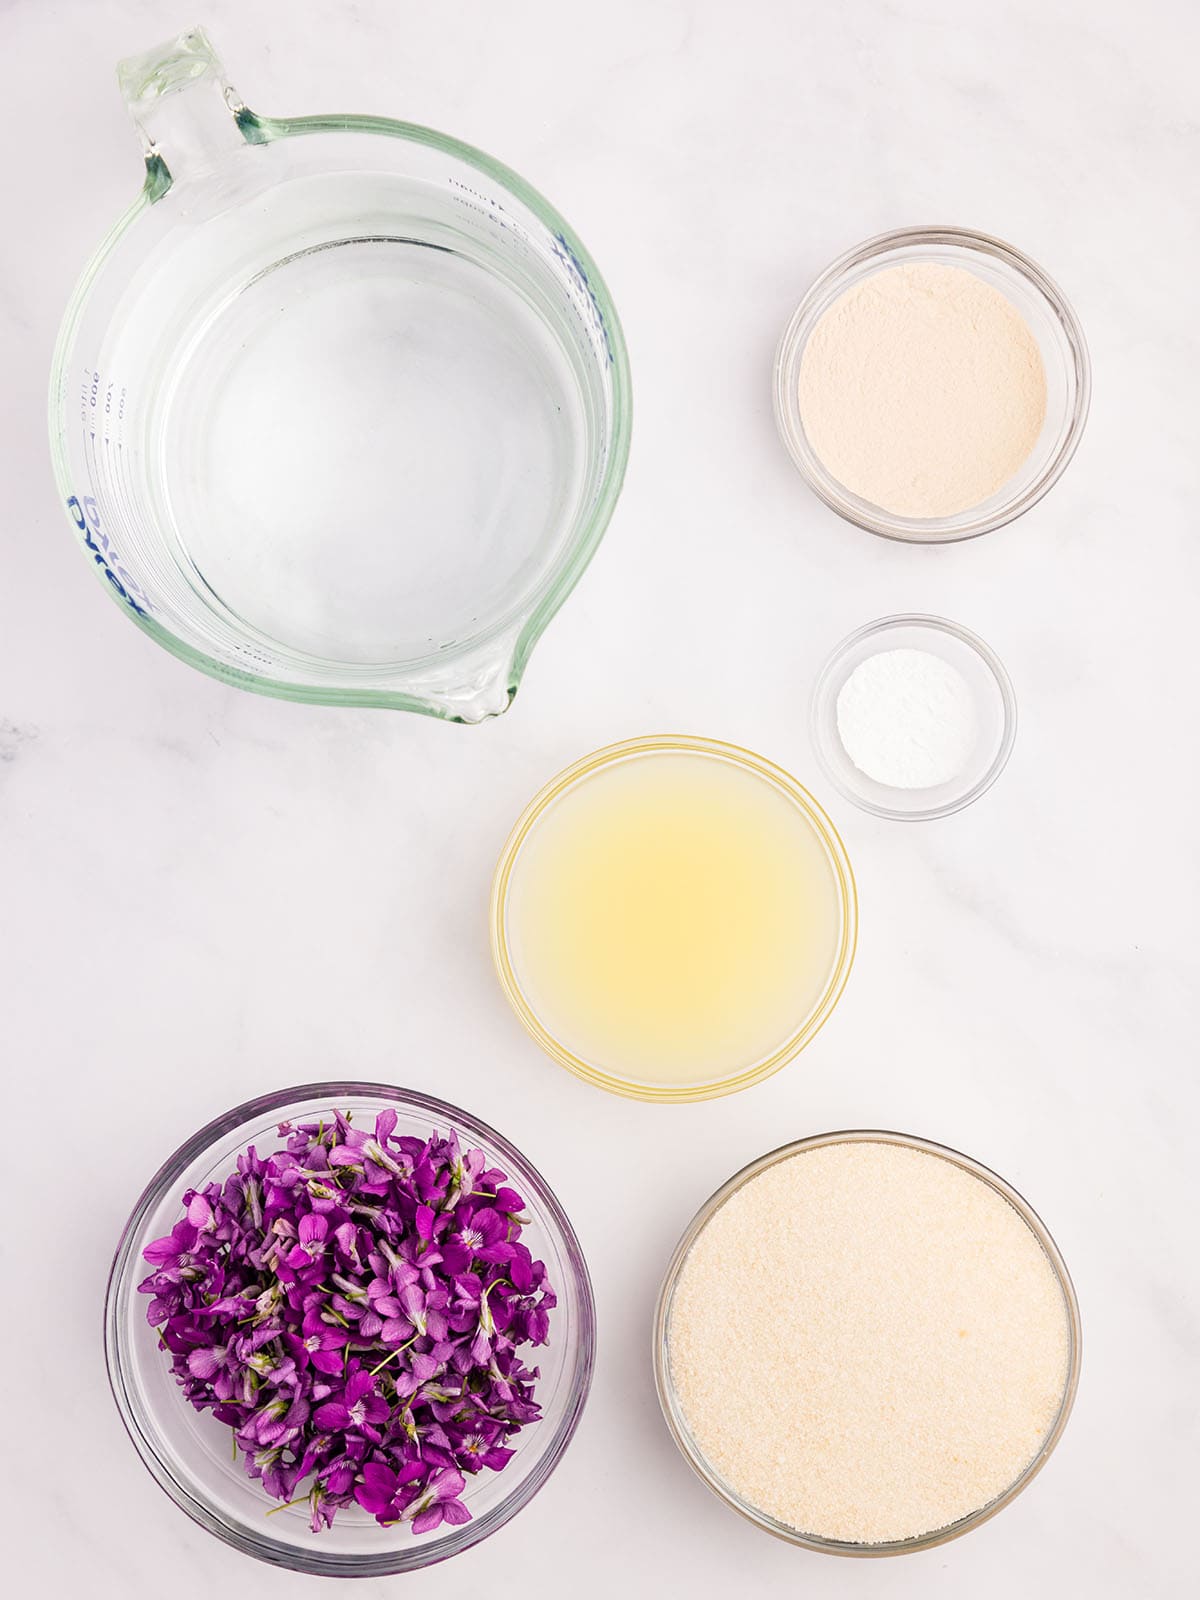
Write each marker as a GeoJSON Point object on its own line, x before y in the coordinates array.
{"type": "Point", "coordinates": [922, 390]}
{"type": "Point", "coordinates": [867, 1342]}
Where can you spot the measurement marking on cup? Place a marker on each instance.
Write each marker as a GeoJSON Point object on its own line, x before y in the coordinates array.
{"type": "Point", "coordinates": [85, 512]}
{"type": "Point", "coordinates": [86, 517]}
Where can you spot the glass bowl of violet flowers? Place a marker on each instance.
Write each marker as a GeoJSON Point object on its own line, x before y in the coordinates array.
{"type": "Point", "coordinates": [349, 1329]}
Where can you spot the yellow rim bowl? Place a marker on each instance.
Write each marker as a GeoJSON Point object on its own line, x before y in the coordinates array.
{"type": "Point", "coordinates": [747, 761]}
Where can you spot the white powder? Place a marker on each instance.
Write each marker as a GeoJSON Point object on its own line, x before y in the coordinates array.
{"type": "Point", "coordinates": [868, 1342]}
{"type": "Point", "coordinates": [922, 389]}
{"type": "Point", "coordinates": [907, 719]}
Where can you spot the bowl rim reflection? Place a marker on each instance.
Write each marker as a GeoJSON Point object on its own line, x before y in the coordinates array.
{"type": "Point", "coordinates": [411, 1555]}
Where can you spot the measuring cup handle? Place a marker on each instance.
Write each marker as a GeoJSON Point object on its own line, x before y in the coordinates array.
{"type": "Point", "coordinates": [190, 118]}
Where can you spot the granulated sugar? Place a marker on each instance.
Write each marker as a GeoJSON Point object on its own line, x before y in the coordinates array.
{"type": "Point", "coordinates": [922, 389]}
{"type": "Point", "coordinates": [867, 1342]}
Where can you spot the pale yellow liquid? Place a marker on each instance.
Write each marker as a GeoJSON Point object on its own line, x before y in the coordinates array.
{"type": "Point", "coordinates": [673, 919]}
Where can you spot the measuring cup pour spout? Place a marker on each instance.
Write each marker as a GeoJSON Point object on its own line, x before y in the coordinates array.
{"type": "Point", "coordinates": [474, 686]}
{"type": "Point", "coordinates": [190, 118]}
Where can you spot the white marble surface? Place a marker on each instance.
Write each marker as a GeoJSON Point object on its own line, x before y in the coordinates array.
{"type": "Point", "coordinates": [206, 895]}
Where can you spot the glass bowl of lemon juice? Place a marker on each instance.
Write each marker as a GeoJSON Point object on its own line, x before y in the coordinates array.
{"type": "Point", "coordinates": [673, 918]}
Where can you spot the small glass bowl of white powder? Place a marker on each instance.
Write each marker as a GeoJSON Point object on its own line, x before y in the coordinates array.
{"type": "Point", "coordinates": [932, 384]}
{"type": "Point", "coordinates": [866, 1343]}
{"type": "Point", "coordinates": [913, 717]}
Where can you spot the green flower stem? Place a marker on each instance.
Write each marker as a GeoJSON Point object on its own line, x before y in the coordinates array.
{"type": "Point", "coordinates": [398, 1351]}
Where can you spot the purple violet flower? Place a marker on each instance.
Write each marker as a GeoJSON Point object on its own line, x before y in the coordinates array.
{"type": "Point", "coordinates": [310, 1248]}
{"type": "Point", "coordinates": [440, 1502]}
{"type": "Point", "coordinates": [358, 1408]}
{"type": "Point", "coordinates": [321, 1342]}
{"type": "Point", "coordinates": [173, 1256]}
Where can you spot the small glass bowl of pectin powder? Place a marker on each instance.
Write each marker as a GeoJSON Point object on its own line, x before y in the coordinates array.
{"type": "Point", "coordinates": [913, 717]}
{"type": "Point", "coordinates": [867, 1344]}
{"type": "Point", "coordinates": [932, 384]}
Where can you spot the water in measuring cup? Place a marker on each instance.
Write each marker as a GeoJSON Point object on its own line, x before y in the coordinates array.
{"type": "Point", "coordinates": [370, 450]}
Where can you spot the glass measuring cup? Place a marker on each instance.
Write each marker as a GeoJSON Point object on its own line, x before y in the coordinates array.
{"type": "Point", "coordinates": [340, 408]}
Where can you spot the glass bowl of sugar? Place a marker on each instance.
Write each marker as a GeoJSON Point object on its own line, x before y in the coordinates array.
{"type": "Point", "coordinates": [866, 1343]}
{"type": "Point", "coordinates": [913, 717]}
{"type": "Point", "coordinates": [932, 384]}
